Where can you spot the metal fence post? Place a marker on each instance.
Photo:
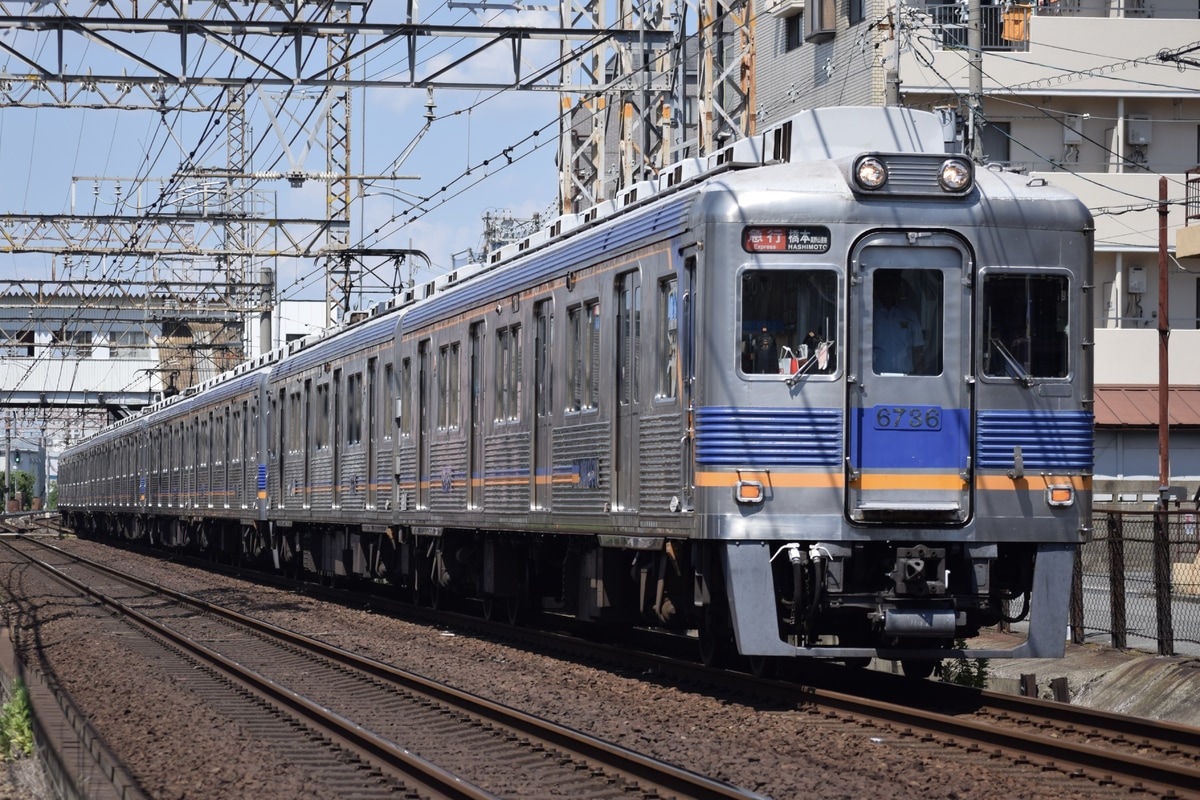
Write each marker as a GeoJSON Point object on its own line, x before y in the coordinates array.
{"type": "Point", "coordinates": [1076, 626]}
{"type": "Point", "coordinates": [1162, 584]}
{"type": "Point", "coordinates": [1116, 572]}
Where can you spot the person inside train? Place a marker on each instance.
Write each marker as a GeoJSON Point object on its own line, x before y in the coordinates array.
{"type": "Point", "coordinates": [764, 355]}
{"type": "Point", "coordinates": [899, 337]}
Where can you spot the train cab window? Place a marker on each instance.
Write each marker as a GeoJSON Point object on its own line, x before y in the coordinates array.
{"type": "Point", "coordinates": [907, 321]}
{"type": "Point", "coordinates": [1025, 323]}
{"type": "Point", "coordinates": [789, 321]}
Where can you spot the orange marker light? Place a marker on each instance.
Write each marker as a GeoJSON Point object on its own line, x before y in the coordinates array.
{"type": "Point", "coordinates": [1059, 495]}
{"type": "Point", "coordinates": [748, 492]}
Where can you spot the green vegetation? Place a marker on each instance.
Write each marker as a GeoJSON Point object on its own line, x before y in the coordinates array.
{"type": "Point", "coordinates": [965, 671]}
{"type": "Point", "coordinates": [16, 724]}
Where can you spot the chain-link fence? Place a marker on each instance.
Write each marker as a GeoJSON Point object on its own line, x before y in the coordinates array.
{"type": "Point", "coordinates": [1137, 582]}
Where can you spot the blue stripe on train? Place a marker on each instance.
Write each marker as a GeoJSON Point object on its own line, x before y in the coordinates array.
{"type": "Point", "coordinates": [748, 437]}
{"type": "Point", "coordinates": [1049, 440]}
{"type": "Point", "coordinates": [924, 442]}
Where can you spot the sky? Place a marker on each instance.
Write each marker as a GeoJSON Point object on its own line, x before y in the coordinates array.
{"type": "Point", "coordinates": [50, 156]}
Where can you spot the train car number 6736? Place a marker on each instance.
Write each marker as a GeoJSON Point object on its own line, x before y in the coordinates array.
{"type": "Point", "coordinates": [908, 418]}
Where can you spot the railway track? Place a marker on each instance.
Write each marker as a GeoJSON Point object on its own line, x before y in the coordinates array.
{"type": "Point", "coordinates": [354, 713]}
{"type": "Point", "coordinates": [1150, 757]}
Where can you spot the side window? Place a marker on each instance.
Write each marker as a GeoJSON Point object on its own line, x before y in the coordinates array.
{"type": "Point", "coordinates": [789, 321]}
{"type": "Point", "coordinates": [1025, 324]}
{"type": "Point", "coordinates": [508, 374]}
{"type": "Point", "coordinates": [448, 387]}
{"type": "Point", "coordinates": [668, 340]}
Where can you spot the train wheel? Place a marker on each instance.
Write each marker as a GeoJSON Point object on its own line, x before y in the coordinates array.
{"type": "Point", "coordinates": [517, 609]}
{"type": "Point", "coordinates": [491, 607]}
{"type": "Point", "coordinates": [919, 668]}
{"type": "Point", "coordinates": [763, 666]}
{"type": "Point", "coordinates": [715, 637]}
{"type": "Point", "coordinates": [438, 596]}
{"type": "Point", "coordinates": [714, 648]}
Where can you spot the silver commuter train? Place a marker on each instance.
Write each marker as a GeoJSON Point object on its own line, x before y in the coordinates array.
{"type": "Point", "coordinates": [827, 393]}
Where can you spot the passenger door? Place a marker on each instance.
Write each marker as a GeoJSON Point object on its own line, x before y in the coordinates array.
{"type": "Point", "coordinates": [628, 362]}
{"type": "Point", "coordinates": [909, 384]}
{"type": "Point", "coordinates": [543, 472]}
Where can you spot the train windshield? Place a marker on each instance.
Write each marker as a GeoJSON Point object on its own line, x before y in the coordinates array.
{"type": "Point", "coordinates": [1025, 319]}
{"type": "Point", "coordinates": [789, 319]}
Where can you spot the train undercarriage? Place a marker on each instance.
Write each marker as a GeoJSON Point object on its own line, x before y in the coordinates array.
{"type": "Point", "coordinates": [835, 600]}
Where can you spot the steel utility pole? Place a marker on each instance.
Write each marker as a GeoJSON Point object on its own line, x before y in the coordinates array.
{"type": "Point", "coordinates": [1164, 335]}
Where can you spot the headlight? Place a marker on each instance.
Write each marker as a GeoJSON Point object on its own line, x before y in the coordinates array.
{"type": "Point", "coordinates": [870, 173]}
{"type": "Point", "coordinates": [955, 175]}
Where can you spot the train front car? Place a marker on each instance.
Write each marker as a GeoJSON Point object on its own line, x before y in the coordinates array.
{"type": "Point", "coordinates": [893, 428]}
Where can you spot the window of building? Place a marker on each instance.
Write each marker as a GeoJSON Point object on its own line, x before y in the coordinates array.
{"type": "Point", "coordinates": [1025, 324]}
{"type": "Point", "coordinates": [128, 344]}
{"type": "Point", "coordinates": [793, 31]}
{"type": "Point", "coordinates": [822, 20]}
{"type": "Point", "coordinates": [996, 138]}
{"type": "Point", "coordinates": [856, 11]}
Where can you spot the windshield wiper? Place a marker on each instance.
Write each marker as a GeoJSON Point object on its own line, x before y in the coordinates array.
{"type": "Point", "coordinates": [1016, 369]}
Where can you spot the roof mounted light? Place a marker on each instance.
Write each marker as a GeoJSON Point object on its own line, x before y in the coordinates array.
{"type": "Point", "coordinates": [955, 175]}
{"type": "Point", "coordinates": [870, 172]}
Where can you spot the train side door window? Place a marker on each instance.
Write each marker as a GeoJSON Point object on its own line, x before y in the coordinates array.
{"type": "Point", "coordinates": [789, 321]}
{"type": "Point", "coordinates": [508, 374]}
{"type": "Point", "coordinates": [583, 368]}
{"type": "Point", "coordinates": [389, 398]}
{"type": "Point", "coordinates": [668, 340]}
{"type": "Point", "coordinates": [354, 408]}
{"type": "Point", "coordinates": [1025, 324]}
{"type": "Point", "coordinates": [321, 434]}
{"type": "Point", "coordinates": [448, 393]}
{"type": "Point", "coordinates": [406, 397]}
{"type": "Point", "coordinates": [907, 310]}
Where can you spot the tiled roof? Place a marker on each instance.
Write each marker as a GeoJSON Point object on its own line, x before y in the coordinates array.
{"type": "Point", "coordinates": [1137, 406]}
